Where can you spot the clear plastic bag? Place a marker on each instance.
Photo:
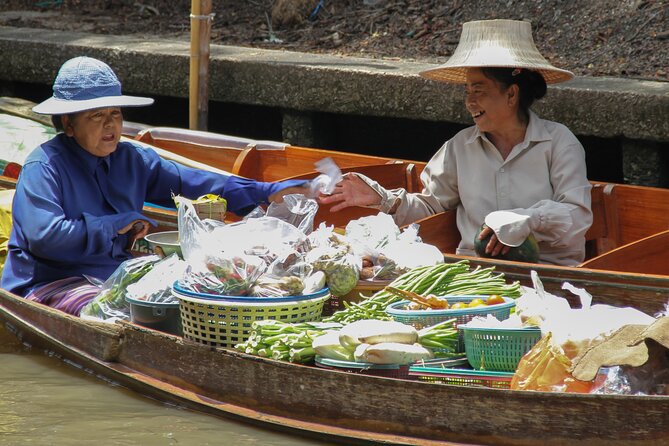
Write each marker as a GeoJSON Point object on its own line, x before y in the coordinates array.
{"type": "Point", "coordinates": [328, 179]}
{"type": "Point", "coordinates": [225, 274]}
{"type": "Point", "coordinates": [156, 285]}
{"type": "Point", "coordinates": [284, 277]}
{"type": "Point", "coordinates": [373, 232]}
{"type": "Point", "coordinates": [387, 252]}
{"type": "Point", "coordinates": [295, 209]}
{"type": "Point", "coordinates": [342, 270]}
{"type": "Point", "coordinates": [110, 302]}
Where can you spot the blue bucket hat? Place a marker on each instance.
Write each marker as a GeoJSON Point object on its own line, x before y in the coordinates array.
{"type": "Point", "coordinates": [84, 83]}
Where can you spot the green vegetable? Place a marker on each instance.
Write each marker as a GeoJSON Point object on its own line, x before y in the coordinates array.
{"type": "Point", "coordinates": [111, 300]}
{"type": "Point", "coordinates": [528, 251]}
{"type": "Point", "coordinates": [328, 346]}
{"type": "Point", "coordinates": [283, 341]}
{"type": "Point", "coordinates": [445, 278]}
{"type": "Point", "coordinates": [340, 271]}
{"type": "Point", "coordinates": [441, 338]}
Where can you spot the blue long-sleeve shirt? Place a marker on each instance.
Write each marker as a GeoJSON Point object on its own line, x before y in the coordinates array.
{"type": "Point", "coordinates": [69, 206]}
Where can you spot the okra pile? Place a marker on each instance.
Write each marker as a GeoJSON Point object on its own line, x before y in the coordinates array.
{"type": "Point", "coordinates": [283, 341]}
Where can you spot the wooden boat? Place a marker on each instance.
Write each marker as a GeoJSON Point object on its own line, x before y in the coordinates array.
{"type": "Point", "coordinates": [626, 235]}
{"type": "Point", "coordinates": [332, 405]}
{"type": "Point", "coordinates": [360, 409]}
{"type": "Point", "coordinates": [624, 215]}
{"type": "Point", "coordinates": [625, 243]}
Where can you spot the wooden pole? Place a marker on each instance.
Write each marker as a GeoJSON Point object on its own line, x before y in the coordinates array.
{"type": "Point", "coordinates": [200, 20]}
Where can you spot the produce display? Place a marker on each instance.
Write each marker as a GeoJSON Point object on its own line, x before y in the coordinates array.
{"type": "Point", "coordinates": [430, 314]}
{"type": "Point", "coordinates": [447, 278]}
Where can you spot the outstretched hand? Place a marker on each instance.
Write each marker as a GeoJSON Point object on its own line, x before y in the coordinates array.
{"type": "Point", "coordinates": [494, 246]}
{"type": "Point", "coordinates": [351, 191]}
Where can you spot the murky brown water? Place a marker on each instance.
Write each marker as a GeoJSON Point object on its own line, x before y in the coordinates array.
{"type": "Point", "coordinates": [45, 401]}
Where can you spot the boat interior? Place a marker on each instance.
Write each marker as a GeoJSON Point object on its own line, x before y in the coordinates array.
{"type": "Point", "coordinates": [629, 232]}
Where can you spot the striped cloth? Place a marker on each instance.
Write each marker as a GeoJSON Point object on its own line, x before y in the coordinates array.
{"type": "Point", "coordinates": [68, 295]}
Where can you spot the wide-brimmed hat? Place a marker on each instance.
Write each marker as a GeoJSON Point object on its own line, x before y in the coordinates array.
{"type": "Point", "coordinates": [84, 83]}
{"type": "Point", "coordinates": [496, 43]}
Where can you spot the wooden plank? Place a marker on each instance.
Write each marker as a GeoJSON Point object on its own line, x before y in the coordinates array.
{"type": "Point", "coordinates": [648, 256]}
{"type": "Point", "coordinates": [641, 211]}
{"type": "Point", "coordinates": [441, 231]}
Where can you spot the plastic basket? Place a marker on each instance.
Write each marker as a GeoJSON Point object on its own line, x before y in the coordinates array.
{"type": "Point", "coordinates": [426, 318]}
{"type": "Point", "coordinates": [385, 370]}
{"type": "Point", "coordinates": [461, 377]}
{"type": "Point", "coordinates": [162, 316]}
{"type": "Point", "coordinates": [498, 349]}
{"type": "Point", "coordinates": [224, 321]}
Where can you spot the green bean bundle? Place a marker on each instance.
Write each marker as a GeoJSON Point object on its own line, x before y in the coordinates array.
{"type": "Point", "coordinates": [441, 338]}
{"type": "Point", "coordinates": [445, 278]}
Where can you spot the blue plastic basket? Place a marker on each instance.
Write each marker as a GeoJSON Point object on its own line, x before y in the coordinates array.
{"type": "Point", "coordinates": [366, 368]}
{"type": "Point", "coordinates": [426, 318]}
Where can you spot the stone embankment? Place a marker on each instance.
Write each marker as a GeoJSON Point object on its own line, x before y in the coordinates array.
{"type": "Point", "coordinates": [633, 115]}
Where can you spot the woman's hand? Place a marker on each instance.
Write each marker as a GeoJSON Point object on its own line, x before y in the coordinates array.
{"type": "Point", "coordinates": [494, 246]}
{"type": "Point", "coordinates": [351, 191]}
{"type": "Point", "coordinates": [135, 230]}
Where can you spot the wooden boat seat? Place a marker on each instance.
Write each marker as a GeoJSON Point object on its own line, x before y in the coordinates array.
{"type": "Point", "coordinates": [266, 164]}
{"type": "Point", "coordinates": [645, 256]}
{"type": "Point", "coordinates": [218, 156]}
{"type": "Point", "coordinates": [604, 234]}
{"type": "Point", "coordinates": [440, 230]}
{"type": "Point", "coordinates": [390, 175]}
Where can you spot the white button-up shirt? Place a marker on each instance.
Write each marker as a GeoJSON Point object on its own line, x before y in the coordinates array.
{"type": "Point", "coordinates": [543, 177]}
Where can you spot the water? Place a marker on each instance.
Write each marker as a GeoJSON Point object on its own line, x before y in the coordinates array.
{"type": "Point", "coordinates": [45, 401]}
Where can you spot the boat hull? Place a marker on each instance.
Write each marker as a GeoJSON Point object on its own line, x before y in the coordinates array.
{"type": "Point", "coordinates": [331, 405]}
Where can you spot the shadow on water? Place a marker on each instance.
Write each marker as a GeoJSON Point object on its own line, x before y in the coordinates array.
{"type": "Point", "coordinates": [44, 400]}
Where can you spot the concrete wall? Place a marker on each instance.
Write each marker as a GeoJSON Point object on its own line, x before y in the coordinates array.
{"type": "Point", "coordinates": [633, 111]}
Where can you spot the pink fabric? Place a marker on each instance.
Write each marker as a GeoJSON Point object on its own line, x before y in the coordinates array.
{"type": "Point", "coordinates": [68, 295]}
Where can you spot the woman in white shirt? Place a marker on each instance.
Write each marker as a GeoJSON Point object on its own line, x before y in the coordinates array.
{"type": "Point", "coordinates": [510, 160]}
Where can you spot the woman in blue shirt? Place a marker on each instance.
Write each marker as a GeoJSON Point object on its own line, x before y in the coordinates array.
{"type": "Point", "coordinates": [79, 197]}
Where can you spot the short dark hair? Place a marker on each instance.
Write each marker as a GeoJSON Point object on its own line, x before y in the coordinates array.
{"type": "Point", "coordinates": [57, 121]}
{"type": "Point", "coordinates": [531, 84]}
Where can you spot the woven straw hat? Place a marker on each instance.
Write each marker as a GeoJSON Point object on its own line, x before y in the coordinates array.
{"type": "Point", "coordinates": [496, 43]}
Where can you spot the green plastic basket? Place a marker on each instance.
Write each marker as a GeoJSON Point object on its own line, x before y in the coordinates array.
{"type": "Point", "coordinates": [498, 349]}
